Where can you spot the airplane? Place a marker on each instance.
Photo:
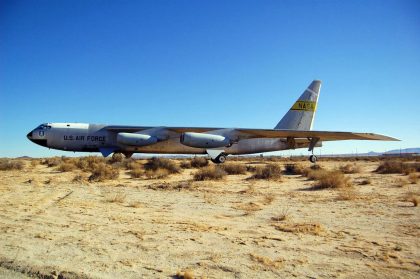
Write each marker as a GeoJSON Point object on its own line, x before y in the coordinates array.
{"type": "Point", "coordinates": [293, 131]}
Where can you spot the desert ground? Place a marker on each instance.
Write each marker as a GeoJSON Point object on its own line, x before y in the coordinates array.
{"type": "Point", "coordinates": [58, 219]}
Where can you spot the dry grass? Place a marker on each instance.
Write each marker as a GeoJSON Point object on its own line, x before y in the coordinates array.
{"type": "Point", "coordinates": [400, 182]}
{"type": "Point", "coordinates": [267, 262]}
{"type": "Point", "coordinates": [34, 162]}
{"type": "Point", "coordinates": [209, 173]}
{"type": "Point", "coordinates": [154, 164]}
{"type": "Point", "coordinates": [251, 168]}
{"type": "Point", "coordinates": [269, 172]}
{"type": "Point", "coordinates": [116, 158]}
{"type": "Point", "coordinates": [103, 172]}
{"type": "Point", "coordinates": [116, 198]}
{"type": "Point", "coordinates": [185, 164]}
{"type": "Point", "coordinates": [136, 204]}
{"type": "Point", "coordinates": [413, 178]}
{"type": "Point", "coordinates": [79, 178]}
{"type": "Point", "coordinates": [7, 164]}
{"type": "Point", "coordinates": [347, 194]}
{"type": "Point", "coordinates": [305, 228]}
{"type": "Point", "coordinates": [249, 207]}
{"type": "Point", "coordinates": [350, 168]}
{"type": "Point", "coordinates": [315, 174]}
{"type": "Point", "coordinates": [89, 163]}
{"type": "Point", "coordinates": [234, 168]}
{"type": "Point", "coordinates": [131, 164]}
{"type": "Point", "coordinates": [199, 162]}
{"type": "Point", "coordinates": [398, 167]}
{"type": "Point", "coordinates": [282, 216]}
{"type": "Point", "coordinates": [156, 174]}
{"type": "Point", "coordinates": [366, 181]}
{"type": "Point", "coordinates": [136, 173]}
{"type": "Point", "coordinates": [293, 169]}
{"type": "Point", "coordinates": [332, 180]}
{"type": "Point", "coordinates": [412, 197]}
{"type": "Point", "coordinates": [187, 274]}
{"type": "Point", "coordinates": [52, 162]}
{"type": "Point", "coordinates": [66, 167]}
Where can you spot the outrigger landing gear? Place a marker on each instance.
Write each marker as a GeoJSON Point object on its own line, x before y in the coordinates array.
{"type": "Point", "coordinates": [219, 159]}
{"type": "Point", "coordinates": [313, 142]}
{"type": "Point", "coordinates": [313, 159]}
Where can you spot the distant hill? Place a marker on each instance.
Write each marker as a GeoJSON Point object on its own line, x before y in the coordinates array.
{"type": "Point", "coordinates": [405, 150]}
{"type": "Point", "coordinates": [371, 153]}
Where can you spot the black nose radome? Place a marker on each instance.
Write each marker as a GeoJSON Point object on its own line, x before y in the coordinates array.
{"type": "Point", "coordinates": [29, 135]}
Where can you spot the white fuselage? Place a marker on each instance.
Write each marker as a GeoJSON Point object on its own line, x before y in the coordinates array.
{"type": "Point", "coordinates": [84, 137]}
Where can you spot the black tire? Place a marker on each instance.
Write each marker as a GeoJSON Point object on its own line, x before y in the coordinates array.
{"type": "Point", "coordinates": [219, 159]}
{"type": "Point", "coordinates": [313, 159]}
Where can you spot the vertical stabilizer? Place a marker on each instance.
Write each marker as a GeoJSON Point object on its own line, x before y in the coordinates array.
{"type": "Point", "coordinates": [301, 114]}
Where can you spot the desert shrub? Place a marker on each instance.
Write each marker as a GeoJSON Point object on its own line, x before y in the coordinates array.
{"type": "Point", "coordinates": [267, 262]}
{"type": "Point", "coordinates": [116, 158]}
{"type": "Point", "coordinates": [136, 173]}
{"type": "Point", "coordinates": [34, 162]}
{"type": "Point", "coordinates": [187, 274]}
{"type": "Point", "coordinates": [332, 179]}
{"type": "Point", "coordinates": [233, 168]}
{"type": "Point", "coordinates": [66, 166]}
{"type": "Point", "coordinates": [293, 169]}
{"type": "Point", "coordinates": [314, 172]}
{"type": "Point", "coordinates": [79, 178]}
{"type": "Point", "coordinates": [412, 197]}
{"type": "Point", "coordinates": [282, 216]}
{"type": "Point", "coordinates": [397, 167]}
{"type": "Point", "coordinates": [209, 173]}
{"type": "Point", "coordinates": [413, 178]}
{"type": "Point", "coordinates": [350, 168]}
{"type": "Point", "coordinates": [102, 172]}
{"type": "Point", "coordinates": [156, 174]}
{"type": "Point", "coordinates": [251, 168]}
{"type": "Point", "coordinates": [199, 162]}
{"type": "Point", "coordinates": [347, 194]}
{"type": "Point", "coordinates": [154, 164]}
{"type": "Point", "coordinates": [7, 164]}
{"type": "Point", "coordinates": [116, 198]}
{"type": "Point", "coordinates": [89, 163]}
{"type": "Point", "coordinates": [52, 162]}
{"type": "Point", "coordinates": [185, 164]}
{"type": "Point", "coordinates": [269, 171]}
{"type": "Point", "coordinates": [131, 164]}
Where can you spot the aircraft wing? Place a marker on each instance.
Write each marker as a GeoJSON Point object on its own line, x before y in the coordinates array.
{"type": "Point", "coordinates": [322, 135]}
{"type": "Point", "coordinates": [265, 133]}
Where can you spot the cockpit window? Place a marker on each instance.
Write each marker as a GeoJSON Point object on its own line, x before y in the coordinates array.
{"type": "Point", "coordinates": [43, 127]}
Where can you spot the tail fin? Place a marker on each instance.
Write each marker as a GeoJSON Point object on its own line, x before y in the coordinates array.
{"type": "Point", "coordinates": [302, 113]}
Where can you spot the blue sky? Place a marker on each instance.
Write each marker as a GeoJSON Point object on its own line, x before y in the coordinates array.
{"type": "Point", "coordinates": [209, 63]}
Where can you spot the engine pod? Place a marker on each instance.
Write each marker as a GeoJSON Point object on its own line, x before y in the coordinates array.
{"type": "Point", "coordinates": [202, 140]}
{"type": "Point", "coordinates": [136, 139]}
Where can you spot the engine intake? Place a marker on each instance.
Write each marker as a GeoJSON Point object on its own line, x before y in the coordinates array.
{"type": "Point", "coordinates": [200, 140]}
{"type": "Point", "coordinates": [136, 139]}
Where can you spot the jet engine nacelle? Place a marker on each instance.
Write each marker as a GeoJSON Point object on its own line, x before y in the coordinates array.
{"type": "Point", "coordinates": [135, 139]}
{"type": "Point", "coordinates": [201, 140]}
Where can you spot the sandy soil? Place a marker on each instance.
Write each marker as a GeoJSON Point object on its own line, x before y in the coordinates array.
{"type": "Point", "coordinates": [133, 228]}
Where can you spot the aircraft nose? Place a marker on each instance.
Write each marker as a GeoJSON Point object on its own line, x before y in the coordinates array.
{"type": "Point", "coordinates": [29, 135]}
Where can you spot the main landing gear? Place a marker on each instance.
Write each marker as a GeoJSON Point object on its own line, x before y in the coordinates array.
{"type": "Point", "coordinates": [220, 159]}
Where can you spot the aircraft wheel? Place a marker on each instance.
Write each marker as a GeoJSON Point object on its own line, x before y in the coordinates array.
{"type": "Point", "coordinates": [219, 159]}
{"type": "Point", "coordinates": [313, 159]}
